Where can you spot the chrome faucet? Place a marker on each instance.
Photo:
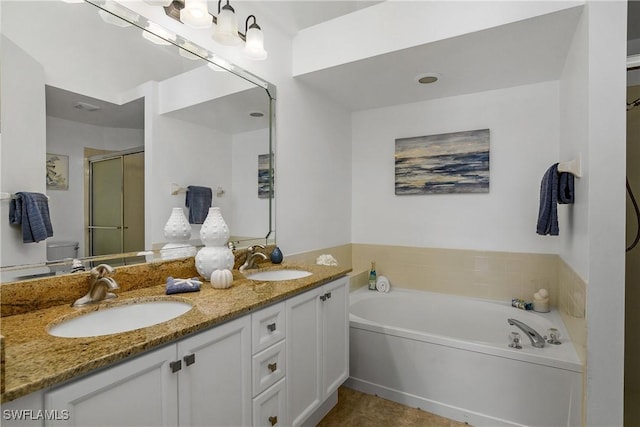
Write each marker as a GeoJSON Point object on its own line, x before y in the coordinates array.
{"type": "Point", "coordinates": [100, 286]}
{"type": "Point", "coordinates": [251, 257]}
{"type": "Point", "coordinates": [537, 340]}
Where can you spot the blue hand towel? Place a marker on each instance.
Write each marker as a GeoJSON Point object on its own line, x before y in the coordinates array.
{"type": "Point", "coordinates": [565, 188]}
{"type": "Point", "coordinates": [548, 212]}
{"type": "Point", "coordinates": [31, 211]}
{"type": "Point", "coordinates": [176, 286]}
{"type": "Point", "coordinates": [198, 201]}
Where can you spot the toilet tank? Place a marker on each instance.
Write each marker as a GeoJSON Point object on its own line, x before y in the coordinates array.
{"type": "Point", "coordinates": [61, 249]}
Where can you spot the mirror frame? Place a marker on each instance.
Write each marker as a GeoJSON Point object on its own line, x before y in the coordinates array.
{"type": "Point", "coordinates": [37, 270]}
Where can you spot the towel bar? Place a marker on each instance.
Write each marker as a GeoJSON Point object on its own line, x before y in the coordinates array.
{"type": "Point", "coordinates": [574, 167]}
{"type": "Point", "coordinates": [9, 196]}
{"type": "Point", "coordinates": [177, 189]}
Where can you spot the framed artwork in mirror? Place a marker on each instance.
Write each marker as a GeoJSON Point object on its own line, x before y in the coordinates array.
{"type": "Point", "coordinates": [57, 172]}
{"type": "Point", "coordinates": [263, 176]}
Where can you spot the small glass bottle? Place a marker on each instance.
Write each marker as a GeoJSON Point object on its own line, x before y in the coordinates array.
{"type": "Point", "coordinates": [372, 277]}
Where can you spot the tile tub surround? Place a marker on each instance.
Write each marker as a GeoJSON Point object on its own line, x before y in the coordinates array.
{"type": "Point", "coordinates": [35, 360]}
{"type": "Point", "coordinates": [477, 274]}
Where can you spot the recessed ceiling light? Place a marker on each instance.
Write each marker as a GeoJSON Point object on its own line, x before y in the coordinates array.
{"type": "Point", "coordinates": [427, 78]}
{"type": "Point", "coordinates": [86, 106]}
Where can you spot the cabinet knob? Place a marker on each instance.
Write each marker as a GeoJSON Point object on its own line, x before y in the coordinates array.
{"type": "Point", "coordinates": [328, 295]}
{"type": "Point", "coordinates": [273, 420]}
{"type": "Point", "coordinates": [272, 366]}
{"type": "Point", "coordinates": [175, 366]}
{"type": "Point", "coordinates": [190, 359]}
{"type": "Point", "coordinates": [271, 327]}
{"type": "Point", "coordinates": [323, 297]}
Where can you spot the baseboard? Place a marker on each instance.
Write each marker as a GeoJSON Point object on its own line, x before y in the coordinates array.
{"type": "Point", "coordinates": [438, 408]}
{"type": "Point", "coordinates": [315, 418]}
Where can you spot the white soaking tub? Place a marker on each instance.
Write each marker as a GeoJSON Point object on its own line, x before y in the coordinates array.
{"type": "Point", "coordinates": [449, 355]}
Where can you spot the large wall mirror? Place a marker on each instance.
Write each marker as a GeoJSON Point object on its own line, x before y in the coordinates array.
{"type": "Point", "coordinates": [113, 123]}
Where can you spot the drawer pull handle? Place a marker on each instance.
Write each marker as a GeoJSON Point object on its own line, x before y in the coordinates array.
{"type": "Point", "coordinates": [271, 327]}
{"type": "Point", "coordinates": [190, 359]}
{"type": "Point", "coordinates": [175, 366]}
{"type": "Point", "coordinates": [272, 366]}
{"type": "Point", "coordinates": [273, 420]}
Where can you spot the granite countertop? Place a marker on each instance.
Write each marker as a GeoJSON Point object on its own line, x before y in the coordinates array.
{"type": "Point", "coordinates": [35, 360]}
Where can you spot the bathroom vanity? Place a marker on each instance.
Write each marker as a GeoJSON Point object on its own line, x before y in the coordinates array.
{"type": "Point", "coordinates": [259, 353]}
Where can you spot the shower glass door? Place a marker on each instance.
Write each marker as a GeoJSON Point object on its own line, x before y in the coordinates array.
{"type": "Point", "coordinates": [116, 204]}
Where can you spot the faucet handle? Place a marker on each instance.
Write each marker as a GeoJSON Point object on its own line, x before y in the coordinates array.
{"type": "Point", "coordinates": [514, 340]}
{"type": "Point", "coordinates": [101, 270]}
{"type": "Point", "coordinates": [252, 248]}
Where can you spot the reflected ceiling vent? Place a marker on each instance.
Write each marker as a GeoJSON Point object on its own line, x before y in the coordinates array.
{"type": "Point", "coordinates": [86, 106]}
{"type": "Point", "coordinates": [256, 114]}
{"type": "Point", "coordinates": [427, 78]}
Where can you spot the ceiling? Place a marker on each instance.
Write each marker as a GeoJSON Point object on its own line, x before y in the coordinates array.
{"type": "Point", "coordinates": [525, 52]}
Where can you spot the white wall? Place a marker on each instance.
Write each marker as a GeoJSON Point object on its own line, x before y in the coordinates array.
{"type": "Point", "coordinates": [606, 211]}
{"type": "Point", "coordinates": [523, 123]}
{"type": "Point", "coordinates": [250, 213]}
{"type": "Point", "coordinates": [171, 145]}
{"type": "Point", "coordinates": [23, 131]}
{"type": "Point", "coordinates": [70, 139]}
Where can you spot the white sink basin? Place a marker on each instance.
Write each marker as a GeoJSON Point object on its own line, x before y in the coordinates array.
{"type": "Point", "coordinates": [274, 275]}
{"type": "Point", "coordinates": [121, 318]}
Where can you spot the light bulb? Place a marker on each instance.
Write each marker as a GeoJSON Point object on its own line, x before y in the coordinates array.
{"type": "Point", "coordinates": [226, 31]}
{"type": "Point", "coordinates": [254, 47]}
{"type": "Point", "coordinates": [195, 14]}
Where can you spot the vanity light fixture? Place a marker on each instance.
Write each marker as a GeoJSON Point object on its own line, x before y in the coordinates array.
{"type": "Point", "coordinates": [194, 13]}
{"type": "Point", "coordinates": [226, 31]}
{"type": "Point", "coordinates": [156, 34]}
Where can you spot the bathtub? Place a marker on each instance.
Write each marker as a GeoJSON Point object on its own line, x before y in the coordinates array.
{"type": "Point", "coordinates": [449, 355]}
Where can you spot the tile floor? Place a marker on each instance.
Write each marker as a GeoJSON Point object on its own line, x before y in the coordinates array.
{"type": "Point", "coordinates": [355, 409]}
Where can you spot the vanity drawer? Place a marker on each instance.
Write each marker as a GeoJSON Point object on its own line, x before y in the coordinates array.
{"type": "Point", "coordinates": [267, 327]}
{"type": "Point", "coordinates": [269, 409]}
{"type": "Point", "coordinates": [268, 367]}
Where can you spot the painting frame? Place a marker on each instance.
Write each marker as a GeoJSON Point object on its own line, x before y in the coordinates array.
{"type": "Point", "coordinates": [456, 162]}
{"type": "Point", "coordinates": [57, 171]}
{"type": "Point", "coordinates": [265, 176]}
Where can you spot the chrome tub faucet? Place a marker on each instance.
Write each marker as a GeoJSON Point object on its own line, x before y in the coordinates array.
{"type": "Point", "coordinates": [537, 340]}
{"type": "Point", "coordinates": [99, 287]}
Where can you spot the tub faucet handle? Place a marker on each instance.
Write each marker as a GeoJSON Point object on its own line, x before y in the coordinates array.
{"type": "Point", "coordinates": [514, 340]}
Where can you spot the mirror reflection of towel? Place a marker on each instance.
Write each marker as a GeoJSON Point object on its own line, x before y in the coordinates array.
{"type": "Point", "coordinates": [198, 201]}
{"type": "Point", "coordinates": [31, 211]}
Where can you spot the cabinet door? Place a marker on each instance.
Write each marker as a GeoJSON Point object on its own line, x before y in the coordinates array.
{"type": "Point", "coordinates": [269, 407]}
{"type": "Point", "coordinates": [139, 392]}
{"type": "Point", "coordinates": [23, 412]}
{"type": "Point", "coordinates": [215, 380]}
{"type": "Point", "coordinates": [304, 346]}
{"type": "Point", "coordinates": [335, 348]}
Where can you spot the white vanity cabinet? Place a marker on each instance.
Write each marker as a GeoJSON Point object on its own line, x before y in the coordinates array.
{"type": "Point", "coordinates": [274, 367]}
{"type": "Point", "coordinates": [317, 347]}
{"type": "Point", "coordinates": [203, 380]}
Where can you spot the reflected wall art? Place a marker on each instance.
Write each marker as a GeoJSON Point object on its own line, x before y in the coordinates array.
{"type": "Point", "coordinates": [446, 163]}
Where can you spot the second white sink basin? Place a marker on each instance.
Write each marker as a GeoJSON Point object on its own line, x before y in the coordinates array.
{"type": "Point", "coordinates": [274, 275]}
{"type": "Point", "coordinates": [121, 318]}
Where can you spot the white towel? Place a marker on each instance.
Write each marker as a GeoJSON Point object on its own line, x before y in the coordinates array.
{"type": "Point", "coordinates": [382, 284]}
